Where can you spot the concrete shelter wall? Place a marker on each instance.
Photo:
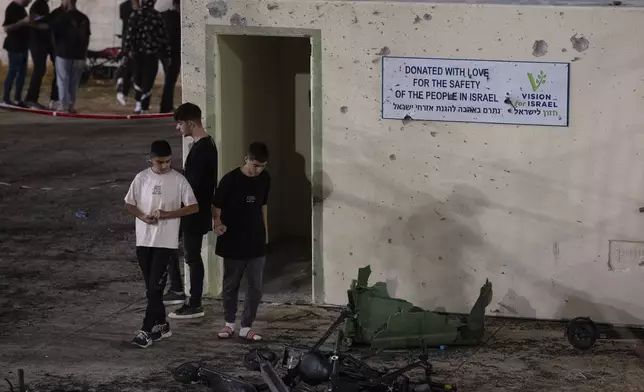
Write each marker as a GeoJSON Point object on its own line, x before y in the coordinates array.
{"type": "Point", "coordinates": [436, 208]}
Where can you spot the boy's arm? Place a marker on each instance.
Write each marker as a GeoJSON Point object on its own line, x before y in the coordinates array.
{"type": "Point", "coordinates": [216, 214]}
{"type": "Point", "coordinates": [214, 161]}
{"type": "Point", "coordinates": [265, 215]}
{"type": "Point", "coordinates": [218, 227]}
{"type": "Point", "coordinates": [219, 199]}
{"type": "Point", "coordinates": [134, 211]}
{"type": "Point", "coordinates": [218, 202]}
{"type": "Point", "coordinates": [265, 206]}
{"type": "Point", "coordinates": [11, 23]}
{"type": "Point", "coordinates": [183, 211]}
{"type": "Point", "coordinates": [187, 198]}
{"type": "Point", "coordinates": [131, 205]}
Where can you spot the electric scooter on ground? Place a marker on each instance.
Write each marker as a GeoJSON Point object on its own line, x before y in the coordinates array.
{"type": "Point", "coordinates": [582, 332]}
{"type": "Point", "coordinates": [310, 367]}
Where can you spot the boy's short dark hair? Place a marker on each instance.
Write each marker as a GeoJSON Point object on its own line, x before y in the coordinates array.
{"type": "Point", "coordinates": [160, 148]}
{"type": "Point", "coordinates": [188, 112]}
{"type": "Point", "coordinates": [258, 151]}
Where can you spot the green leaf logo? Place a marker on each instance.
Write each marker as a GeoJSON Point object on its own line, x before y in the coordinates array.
{"type": "Point", "coordinates": [538, 82]}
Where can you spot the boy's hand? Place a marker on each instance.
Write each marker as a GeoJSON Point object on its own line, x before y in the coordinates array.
{"type": "Point", "coordinates": [219, 228]}
{"type": "Point", "coordinates": [149, 219]}
{"type": "Point", "coordinates": [160, 214]}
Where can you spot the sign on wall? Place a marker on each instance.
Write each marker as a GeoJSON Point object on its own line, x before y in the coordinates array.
{"type": "Point", "coordinates": [499, 92]}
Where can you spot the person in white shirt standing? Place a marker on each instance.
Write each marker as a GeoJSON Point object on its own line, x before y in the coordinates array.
{"type": "Point", "coordinates": [155, 198]}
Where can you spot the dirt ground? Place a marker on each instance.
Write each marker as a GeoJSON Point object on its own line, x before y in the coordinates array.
{"type": "Point", "coordinates": [98, 96]}
{"type": "Point", "coordinates": [71, 295]}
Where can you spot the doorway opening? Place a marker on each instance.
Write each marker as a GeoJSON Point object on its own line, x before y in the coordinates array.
{"type": "Point", "coordinates": [263, 93]}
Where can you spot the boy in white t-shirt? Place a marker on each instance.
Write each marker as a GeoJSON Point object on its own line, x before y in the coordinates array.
{"type": "Point", "coordinates": [155, 199]}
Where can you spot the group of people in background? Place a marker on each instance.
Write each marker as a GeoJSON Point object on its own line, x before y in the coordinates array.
{"type": "Point", "coordinates": [62, 36]}
{"type": "Point", "coordinates": [149, 37]}
{"type": "Point", "coordinates": [171, 205]}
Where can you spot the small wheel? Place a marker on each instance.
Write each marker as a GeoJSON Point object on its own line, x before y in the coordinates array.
{"type": "Point", "coordinates": [581, 333]}
{"type": "Point", "coordinates": [187, 373]}
{"type": "Point", "coordinates": [251, 361]}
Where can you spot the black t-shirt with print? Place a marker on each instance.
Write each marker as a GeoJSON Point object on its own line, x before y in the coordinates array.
{"type": "Point", "coordinates": [200, 169]}
{"type": "Point", "coordinates": [240, 199]}
{"type": "Point", "coordinates": [16, 40]}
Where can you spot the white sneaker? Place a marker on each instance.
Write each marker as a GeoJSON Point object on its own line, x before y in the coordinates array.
{"type": "Point", "coordinates": [53, 105]}
{"type": "Point", "coordinates": [137, 109]}
{"type": "Point", "coordinates": [121, 98]}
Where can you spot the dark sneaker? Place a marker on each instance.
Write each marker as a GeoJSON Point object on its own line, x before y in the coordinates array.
{"type": "Point", "coordinates": [142, 339]}
{"type": "Point", "coordinates": [160, 331]}
{"type": "Point", "coordinates": [34, 105]}
{"type": "Point", "coordinates": [187, 311]}
{"type": "Point", "coordinates": [172, 298]}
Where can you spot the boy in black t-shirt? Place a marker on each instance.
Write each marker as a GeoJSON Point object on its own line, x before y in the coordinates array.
{"type": "Point", "coordinates": [200, 169]}
{"type": "Point", "coordinates": [41, 48]}
{"type": "Point", "coordinates": [71, 34]}
{"type": "Point", "coordinates": [241, 204]}
{"type": "Point", "coordinates": [16, 25]}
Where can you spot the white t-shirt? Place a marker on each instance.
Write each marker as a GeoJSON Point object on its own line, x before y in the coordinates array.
{"type": "Point", "coordinates": [150, 191]}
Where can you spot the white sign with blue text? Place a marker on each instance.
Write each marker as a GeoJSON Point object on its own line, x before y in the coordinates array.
{"type": "Point", "coordinates": [498, 92]}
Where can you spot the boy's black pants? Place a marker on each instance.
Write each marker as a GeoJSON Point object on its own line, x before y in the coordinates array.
{"type": "Point", "coordinates": [39, 55]}
{"type": "Point", "coordinates": [233, 273]}
{"type": "Point", "coordinates": [192, 242]}
{"type": "Point", "coordinates": [146, 68]}
{"type": "Point", "coordinates": [154, 266]}
{"type": "Point", "coordinates": [171, 76]}
{"type": "Point", "coordinates": [124, 77]}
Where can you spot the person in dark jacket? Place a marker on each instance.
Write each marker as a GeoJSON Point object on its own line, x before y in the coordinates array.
{"type": "Point", "coordinates": [41, 48]}
{"type": "Point", "coordinates": [16, 25]}
{"type": "Point", "coordinates": [146, 43]}
{"type": "Point", "coordinates": [124, 72]}
{"type": "Point", "coordinates": [200, 169]}
{"type": "Point", "coordinates": [172, 18]}
{"type": "Point", "coordinates": [71, 33]}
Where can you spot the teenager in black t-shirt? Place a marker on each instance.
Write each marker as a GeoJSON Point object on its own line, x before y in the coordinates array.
{"type": "Point", "coordinates": [16, 25]}
{"type": "Point", "coordinates": [241, 204]}
{"type": "Point", "coordinates": [40, 46]}
{"type": "Point", "coordinates": [71, 34]}
{"type": "Point", "coordinates": [200, 169]}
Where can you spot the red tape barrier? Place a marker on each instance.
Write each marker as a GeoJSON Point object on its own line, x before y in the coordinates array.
{"type": "Point", "coordinates": [87, 115]}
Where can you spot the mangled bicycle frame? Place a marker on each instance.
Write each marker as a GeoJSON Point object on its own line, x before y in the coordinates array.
{"type": "Point", "coordinates": [311, 367]}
